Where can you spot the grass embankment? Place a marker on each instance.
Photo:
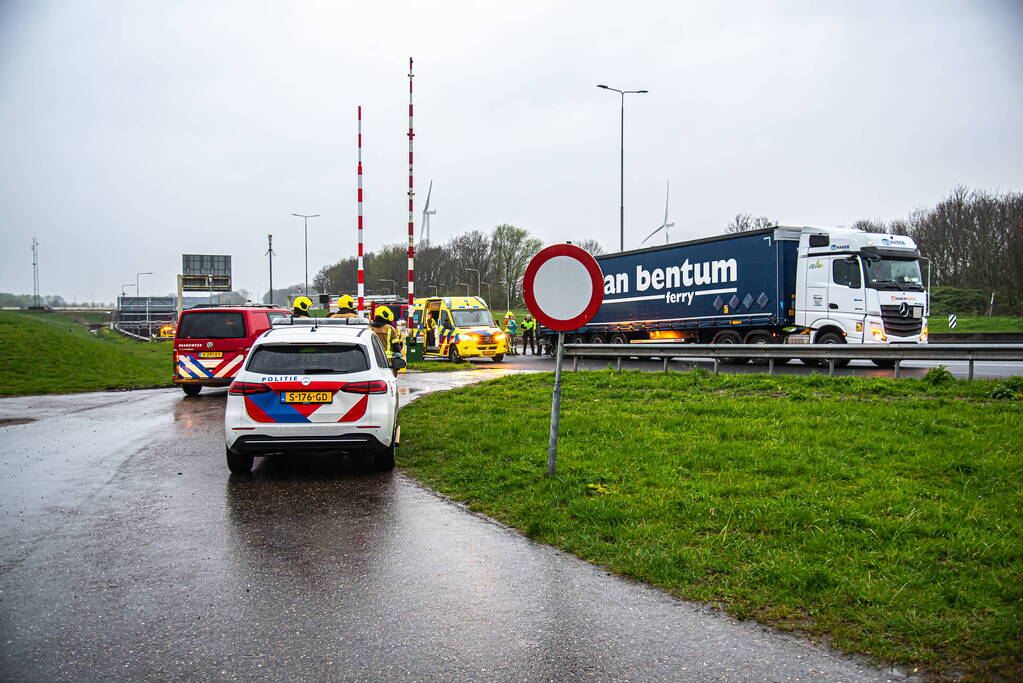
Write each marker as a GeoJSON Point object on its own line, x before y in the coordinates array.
{"type": "Point", "coordinates": [440, 366]}
{"type": "Point", "coordinates": [42, 353]}
{"type": "Point", "coordinates": [1002, 323]}
{"type": "Point", "coordinates": [884, 514]}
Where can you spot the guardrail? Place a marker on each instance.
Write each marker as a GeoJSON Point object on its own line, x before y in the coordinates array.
{"type": "Point", "coordinates": [830, 353]}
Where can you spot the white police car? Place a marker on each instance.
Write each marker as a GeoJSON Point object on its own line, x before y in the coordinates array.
{"type": "Point", "coordinates": [312, 385]}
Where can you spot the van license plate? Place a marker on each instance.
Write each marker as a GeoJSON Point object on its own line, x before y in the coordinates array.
{"type": "Point", "coordinates": [211, 354]}
{"type": "Point", "coordinates": [306, 397]}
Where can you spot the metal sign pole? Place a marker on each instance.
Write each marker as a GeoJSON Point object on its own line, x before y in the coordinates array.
{"type": "Point", "coordinates": [552, 448]}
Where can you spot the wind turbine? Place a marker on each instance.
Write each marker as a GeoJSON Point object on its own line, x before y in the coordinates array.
{"type": "Point", "coordinates": [425, 232]}
{"type": "Point", "coordinates": [665, 225]}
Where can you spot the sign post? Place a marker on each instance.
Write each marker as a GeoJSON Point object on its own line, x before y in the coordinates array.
{"type": "Point", "coordinates": [563, 288]}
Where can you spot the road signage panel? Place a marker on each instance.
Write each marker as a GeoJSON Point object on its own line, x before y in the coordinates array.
{"type": "Point", "coordinates": [563, 287]}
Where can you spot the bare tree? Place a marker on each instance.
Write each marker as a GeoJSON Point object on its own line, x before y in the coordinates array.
{"type": "Point", "coordinates": [744, 222]}
{"type": "Point", "coordinates": [590, 245]}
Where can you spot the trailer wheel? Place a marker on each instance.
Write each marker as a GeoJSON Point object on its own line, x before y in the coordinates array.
{"type": "Point", "coordinates": [833, 338]}
{"type": "Point", "coordinates": [618, 338]}
{"type": "Point", "coordinates": [597, 339]}
{"type": "Point", "coordinates": [729, 337]}
{"type": "Point", "coordinates": [759, 337]}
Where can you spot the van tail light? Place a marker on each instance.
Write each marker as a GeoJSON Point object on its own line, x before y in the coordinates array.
{"type": "Point", "coordinates": [247, 388]}
{"type": "Point", "coordinates": [374, 387]}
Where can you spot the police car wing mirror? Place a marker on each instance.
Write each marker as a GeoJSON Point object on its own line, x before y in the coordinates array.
{"type": "Point", "coordinates": [397, 363]}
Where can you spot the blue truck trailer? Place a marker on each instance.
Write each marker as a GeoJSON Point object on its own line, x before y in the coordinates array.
{"type": "Point", "coordinates": [774, 285]}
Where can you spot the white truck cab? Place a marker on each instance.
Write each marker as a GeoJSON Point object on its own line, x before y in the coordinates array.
{"type": "Point", "coordinates": [865, 287]}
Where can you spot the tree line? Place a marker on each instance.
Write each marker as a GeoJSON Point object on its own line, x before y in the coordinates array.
{"type": "Point", "coordinates": [972, 240]}
{"type": "Point", "coordinates": [485, 263]}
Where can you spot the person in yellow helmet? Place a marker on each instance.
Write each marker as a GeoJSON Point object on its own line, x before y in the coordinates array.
{"type": "Point", "coordinates": [300, 307]}
{"type": "Point", "coordinates": [345, 307]}
{"type": "Point", "coordinates": [383, 327]}
{"type": "Point", "coordinates": [511, 328]}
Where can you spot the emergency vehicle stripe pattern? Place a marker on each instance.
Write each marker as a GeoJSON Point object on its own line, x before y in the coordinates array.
{"type": "Point", "coordinates": [189, 366]}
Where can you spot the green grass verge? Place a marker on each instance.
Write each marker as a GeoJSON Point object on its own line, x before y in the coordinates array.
{"type": "Point", "coordinates": [1003, 323]}
{"type": "Point", "coordinates": [439, 366]}
{"type": "Point", "coordinates": [48, 353]}
{"type": "Point", "coordinates": [884, 514]}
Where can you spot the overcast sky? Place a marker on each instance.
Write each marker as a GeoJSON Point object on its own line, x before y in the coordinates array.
{"type": "Point", "coordinates": [134, 131]}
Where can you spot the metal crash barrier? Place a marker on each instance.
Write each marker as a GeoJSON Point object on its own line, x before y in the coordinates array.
{"type": "Point", "coordinates": [825, 353]}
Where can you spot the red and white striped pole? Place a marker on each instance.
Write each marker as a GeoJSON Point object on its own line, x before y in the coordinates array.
{"type": "Point", "coordinates": [361, 276]}
{"type": "Point", "coordinates": [411, 194]}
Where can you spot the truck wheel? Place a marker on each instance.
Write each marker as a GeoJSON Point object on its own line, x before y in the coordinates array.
{"type": "Point", "coordinates": [597, 339]}
{"type": "Point", "coordinates": [497, 357]}
{"type": "Point", "coordinates": [618, 338]}
{"type": "Point", "coordinates": [191, 389]}
{"type": "Point", "coordinates": [759, 337]}
{"type": "Point", "coordinates": [730, 338]}
{"type": "Point", "coordinates": [453, 354]}
{"type": "Point", "coordinates": [833, 338]}
{"type": "Point", "coordinates": [238, 463]}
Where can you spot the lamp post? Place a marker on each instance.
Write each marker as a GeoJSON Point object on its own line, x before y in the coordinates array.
{"type": "Point", "coordinates": [394, 285]}
{"type": "Point", "coordinates": [137, 276]}
{"type": "Point", "coordinates": [137, 293]}
{"type": "Point", "coordinates": [507, 291]}
{"type": "Point", "coordinates": [466, 287]}
{"type": "Point", "coordinates": [305, 218]}
{"type": "Point", "coordinates": [434, 288]}
{"type": "Point", "coordinates": [478, 291]}
{"type": "Point", "coordinates": [621, 164]}
{"type": "Point", "coordinates": [488, 292]}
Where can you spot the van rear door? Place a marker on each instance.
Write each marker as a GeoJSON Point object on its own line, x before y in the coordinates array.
{"type": "Point", "coordinates": [210, 345]}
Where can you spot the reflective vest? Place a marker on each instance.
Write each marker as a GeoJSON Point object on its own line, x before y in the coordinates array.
{"type": "Point", "coordinates": [528, 326]}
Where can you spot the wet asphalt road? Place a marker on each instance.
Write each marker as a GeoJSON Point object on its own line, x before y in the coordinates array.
{"type": "Point", "coordinates": [128, 552]}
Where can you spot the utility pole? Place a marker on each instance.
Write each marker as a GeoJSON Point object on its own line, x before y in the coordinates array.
{"type": "Point", "coordinates": [270, 254]}
{"type": "Point", "coordinates": [35, 273]}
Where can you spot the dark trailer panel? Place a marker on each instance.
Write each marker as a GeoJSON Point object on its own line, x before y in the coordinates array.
{"type": "Point", "coordinates": [736, 281]}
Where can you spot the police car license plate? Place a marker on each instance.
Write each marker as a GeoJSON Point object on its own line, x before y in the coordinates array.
{"type": "Point", "coordinates": [306, 397]}
{"type": "Point", "coordinates": [211, 354]}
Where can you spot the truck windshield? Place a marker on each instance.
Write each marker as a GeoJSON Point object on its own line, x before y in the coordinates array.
{"type": "Point", "coordinates": [888, 273]}
{"type": "Point", "coordinates": [473, 318]}
{"type": "Point", "coordinates": [298, 359]}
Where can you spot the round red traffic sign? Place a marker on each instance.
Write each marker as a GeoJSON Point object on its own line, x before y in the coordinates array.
{"type": "Point", "coordinates": [563, 287]}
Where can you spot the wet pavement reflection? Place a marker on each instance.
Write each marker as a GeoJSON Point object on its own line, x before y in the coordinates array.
{"type": "Point", "coordinates": [152, 562]}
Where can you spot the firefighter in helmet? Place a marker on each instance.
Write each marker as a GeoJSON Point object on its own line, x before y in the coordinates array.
{"type": "Point", "coordinates": [300, 307]}
{"type": "Point", "coordinates": [345, 307]}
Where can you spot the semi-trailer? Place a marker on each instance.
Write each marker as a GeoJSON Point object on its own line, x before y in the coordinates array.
{"type": "Point", "coordinates": [791, 285]}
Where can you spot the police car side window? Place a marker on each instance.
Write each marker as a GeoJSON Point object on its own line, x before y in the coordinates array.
{"type": "Point", "coordinates": [378, 351]}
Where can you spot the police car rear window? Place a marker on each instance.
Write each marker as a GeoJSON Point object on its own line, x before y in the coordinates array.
{"type": "Point", "coordinates": [318, 359]}
{"type": "Point", "coordinates": [212, 325]}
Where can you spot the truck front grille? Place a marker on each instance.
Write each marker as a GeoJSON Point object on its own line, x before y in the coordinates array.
{"type": "Point", "coordinates": [897, 325]}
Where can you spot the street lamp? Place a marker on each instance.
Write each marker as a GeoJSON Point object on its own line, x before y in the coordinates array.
{"type": "Point", "coordinates": [128, 285]}
{"type": "Point", "coordinates": [621, 164]}
{"type": "Point", "coordinates": [305, 218]}
{"type": "Point", "coordinates": [478, 292]}
{"type": "Point", "coordinates": [466, 287]}
{"type": "Point", "coordinates": [434, 287]}
{"type": "Point", "coordinates": [394, 285]}
{"type": "Point", "coordinates": [137, 275]}
{"type": "Point", "coordinates": [507, 290]}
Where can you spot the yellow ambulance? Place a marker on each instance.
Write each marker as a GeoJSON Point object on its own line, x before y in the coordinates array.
{"type": "Point", "coordinates": [457, 327]}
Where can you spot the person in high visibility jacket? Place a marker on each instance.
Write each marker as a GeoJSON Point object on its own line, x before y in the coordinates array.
{"type": "Point", "coordinates": [529, 334]}
{"type": "Point", "coordinates": [300, 307]}
{"type": "Point", "coordinates": [383, 328]}
{"type": "Point", "coordinates": [511, 328]}
{"type": "Point", "coordinates": [345, 307]}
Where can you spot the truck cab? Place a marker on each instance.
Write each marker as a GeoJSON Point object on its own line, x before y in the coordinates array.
{"type": "Point", "coordinates": [859, 287]}
{"type": "Point", "coordinates": [457, 327]}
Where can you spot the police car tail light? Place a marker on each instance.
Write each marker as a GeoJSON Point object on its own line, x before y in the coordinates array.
{"type": "Point", "coordinates": [373, 387]}
{"type": "Point", "coordinates": [247, 388]}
